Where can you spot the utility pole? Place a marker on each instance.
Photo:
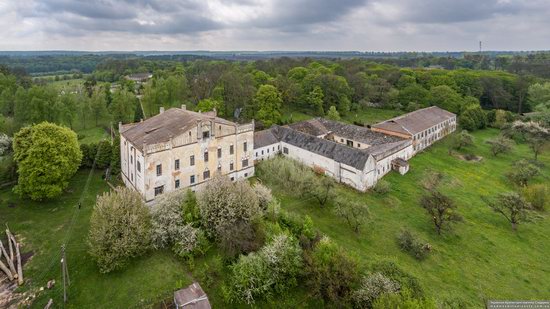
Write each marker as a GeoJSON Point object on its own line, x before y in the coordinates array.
{"type": "Point", "coordinates": [65, 272]}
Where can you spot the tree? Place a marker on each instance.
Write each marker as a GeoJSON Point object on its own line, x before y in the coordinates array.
{"type": "Point", "coordinates": [321, 188]}
{"type": "Point", "coordinates": [120, 229]}
{"type": "Point", "coordinates": [512, 206]}
{"type": "Point", "coordinates": [229, 212]}
{"type": "Point", "coordinates": [522, 171]}
{"type": "Point", "coordinates": [169, 227]}
{"type": "Point", "coordinates": [138, 112]}
{"type": "Point", "coordinates": [441, 209]}
{"type": "Point", "coordinates": [413, 96]}
{"type": "Point", "coordinates": [535, 134]}
{"type": "Point", "coordinates": [206, 105]}
{"type": "Point", "coordinates": [330, 272]}
{"type": "Point", "coordinates": [333, 114]}
{"type": "Point", "coordinates": [47, 155]}
{"type": "Point", "coordinates": [462, 139]}
{"type": "Point", "coordinates": [274, 269]}
{"type": "Point", "coordinates": [354, 212]}
{"type": "Point", "coordinates": [269, 104]}
{"type": "Point", "coordinates": [500, 144]}
{"type": "Point", "coordinates": [123, 106]}
{"type": "Point", "coordinates": [314, 99]}
{"type": "Point", "coordinates": [446, 98]}
{"type": "Point", "coordinates": [98, 105]}
{"type": "Point", "coordinates": [473, 118]}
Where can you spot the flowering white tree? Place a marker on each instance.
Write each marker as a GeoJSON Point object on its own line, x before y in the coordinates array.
{"type": "Point", "coordinates": [5, 144]}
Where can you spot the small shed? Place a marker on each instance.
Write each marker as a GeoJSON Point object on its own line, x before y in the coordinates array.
{"type": "Point", "coordinates": [400, 165]}
{"type": "Point", "coordinates": [191, 297]}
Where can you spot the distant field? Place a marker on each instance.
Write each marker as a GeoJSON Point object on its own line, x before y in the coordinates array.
{"type": "Point", "coordinates": [365, 116]}
{"type": "Point", "coordinates": [92, 135]}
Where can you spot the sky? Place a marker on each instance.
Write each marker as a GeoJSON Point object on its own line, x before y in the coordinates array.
{"type": "Point", "coordinates": [268, 25]}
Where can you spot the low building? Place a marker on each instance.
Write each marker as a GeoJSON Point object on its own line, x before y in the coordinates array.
{"type": "Point", "coordinates": [192, 297]}
{"type": "Point", "coordinates": [350, 154]}
{"type": "Point", "coordinates": [179, 148]}
{"type": "Point", "coordinates": [139, 77]}
{"type": "Point", "coordinates": [424, 126]}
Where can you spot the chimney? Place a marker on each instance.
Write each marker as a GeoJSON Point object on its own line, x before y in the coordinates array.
{"type": "Point", "coordinates": [184, 107]}
{"type": "Point", "coordinates": [161, 109]}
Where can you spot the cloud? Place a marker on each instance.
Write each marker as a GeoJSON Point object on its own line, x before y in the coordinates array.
{"type": "Point", "coordinates": [274, 24]}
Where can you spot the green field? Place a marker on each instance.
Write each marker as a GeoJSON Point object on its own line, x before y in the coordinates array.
{"type": "Point", "coordinates": [365, 116]}
{"type": "Point", "coordinates": [481, 258]}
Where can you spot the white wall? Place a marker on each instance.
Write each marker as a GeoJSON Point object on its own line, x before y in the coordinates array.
{"type": "Point", "coordinates": [267, 152]}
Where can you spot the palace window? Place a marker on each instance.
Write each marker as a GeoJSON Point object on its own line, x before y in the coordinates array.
{"type": "Point", "coordinates": [177, 183]}
{"type": "Point", "coordinates": [285, 150]}
{"type": "Point", "coordinates": [206, 174]}
{"type": "Point", "coordinates": [231, 150]}
{"type": "Point", "coordinates": [219, 153]}
{"type": "Point", "coordinates": [159, 169]}
{"type": "Point", "coordinates": [159, 190]}
{"type": "Point", "coordinates": [205, 134]}
{"type": "Point", "coordinates": [231, 166]}
{"type": "Point", "coordinates": [192, 160]}
{"type": "Point", "coordinates": [206, 156]}
{"type": "Point", "coordinates": [245, 162]}
{"type": "Point", "coordinates": [177, 164]}
{"type": "Point", "coordinates": [138, 166]}
{"type": "Point", "coordinates": [192, 179]}
{"type": "Point", "coordinates": [245, 147]}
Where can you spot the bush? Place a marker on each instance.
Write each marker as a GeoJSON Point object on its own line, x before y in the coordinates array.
{"type": "Point", "coordinates": [404, 299]}
{"type": "Point", "coordinates": [264, 195]}
{"type": "Point", "coordinates": [382, 187]}
{"type": "Point", "coordinates": [330, 272]}
{"type": "Point", "coordinates": [230, 214]}
{"type": "Point", "coordinates": [500, 144]}
{"type": "Point", "coordinates": [473, 118]}
{"type": "Point", "coordinates": [409, 243]}
{"type": "Point", "coordinates": [120, 229]}
{"type": "Point", "coordinates": [522, 172]}
{"type": "Point", "coordinates": [288, 174]}
{"type": "Point", "coordinates": [272, 270]}
{"type": "Point", "coordinates": [405, 280]}
{"type": "Point", "coordinates": [169, 228]}
{"type": "Point", "coordinates": [538, 196]}
{"type": "Point", "coordinates": [5, 144]}
{"type": "Point", "coordinates": [372, 287]}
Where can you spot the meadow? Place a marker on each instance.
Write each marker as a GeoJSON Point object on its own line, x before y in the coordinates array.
{"type": "Point", "coordinates": [481, 258]}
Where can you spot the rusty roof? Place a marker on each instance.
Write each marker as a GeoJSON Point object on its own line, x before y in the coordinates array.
{"type": "Point", "coordinates": [415, 122]}
{"type": "Point", "coordinates": [166, 125]}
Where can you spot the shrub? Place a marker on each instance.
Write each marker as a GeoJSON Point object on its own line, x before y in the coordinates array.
{"type": "Point", "coordinates": [409, 243]}
{"type": "Point", "coordinates": [462, 139]}
{"type": "Point", "coordinates": [473, 118]}
{"type": "Point", "coordinates": [330, 272]}
{"type": "Point", "coordinates": [404, 299]}
{"type": "Point", "coordinates": [372, 287]}
{"type": "Point", "coordinates": [500, 144]}
{"type": "Point", "coordinates": [272, 270]}
{"type": "Point", "coordinates": [356, 213]}
{"type": "Point", "coordinates": [169, 228]}
{"type": "Point", "coordinates": [5, 144]}
{"type": "Point", "coordinates": [120, 228]}
{"type": "Point", "coordinates": [290, 175]}
{"type": "Point", "coordinates": [264, 195]}
{"type": "Point", "coordinates": [538, 196]}
{"type": "Point", "coordinates": [223, 203]}
{"type": "Point", "coordinates": [405, 280]}
{"type": "Point", "coordinates": [522, 172]}
{"type": "Point", "coordinates": [382, 187]}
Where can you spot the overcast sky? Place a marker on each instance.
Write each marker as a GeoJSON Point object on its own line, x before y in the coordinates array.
{"type": "Point", "coordinates": [364, 25]}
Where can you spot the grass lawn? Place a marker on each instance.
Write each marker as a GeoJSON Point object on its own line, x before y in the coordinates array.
{"type": "Point", "coordinates": [92, 135]}
{"type": "Point", "coordinates": [366, 115]}
{"type": "Point", "coordinates": [43, 226]}
{"type": "Point", "coordinates": [481, 258]}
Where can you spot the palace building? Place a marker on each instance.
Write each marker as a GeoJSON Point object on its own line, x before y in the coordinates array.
{"type": "Point", "coordinates": [179, 148]}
